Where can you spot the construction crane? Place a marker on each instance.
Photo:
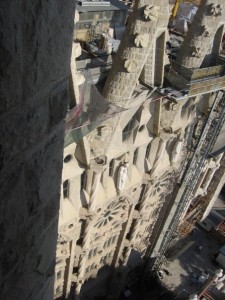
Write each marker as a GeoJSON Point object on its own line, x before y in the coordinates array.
{"type": "Point", "coordinates": [177, 3]}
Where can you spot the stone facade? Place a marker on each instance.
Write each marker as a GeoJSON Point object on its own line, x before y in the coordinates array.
{"type": "Point", "coordinates": [35, 52]}
{"type": "Point", "coordinates": [127, 183]}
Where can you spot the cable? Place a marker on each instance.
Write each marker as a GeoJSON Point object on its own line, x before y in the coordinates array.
{"type": "Point", "coordinates": [125, 109]}
{"type": "Point", "coordinates": [175, 92]}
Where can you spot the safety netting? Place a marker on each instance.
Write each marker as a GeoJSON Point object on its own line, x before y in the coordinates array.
{"type": "Point", "coordinates": [90, 112]}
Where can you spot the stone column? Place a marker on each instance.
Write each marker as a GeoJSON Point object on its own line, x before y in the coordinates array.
{"type": "Point", "coordinates": [153, 71]}
{"type": "Point", "coordinates": [134, 49]}
{"type": "Point", "coordinates": [201, 34]}
{"type": "Point", "coordinates": [35, 46]}
{"type": "Point", "coordinates": [98, 168]}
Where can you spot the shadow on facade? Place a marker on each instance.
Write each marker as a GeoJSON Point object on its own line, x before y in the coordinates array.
{"type": "Point", "coordinates": [125, 282]}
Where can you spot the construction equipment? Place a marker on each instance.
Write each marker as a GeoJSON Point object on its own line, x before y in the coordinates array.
{"type": "Point", "coordinates": [206, 141]}
{"type": "Point", "coordinates": [177, 3]}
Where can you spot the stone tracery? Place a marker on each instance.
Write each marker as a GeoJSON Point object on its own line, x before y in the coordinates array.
{"type": "Point", "coordinates": [111, 214]}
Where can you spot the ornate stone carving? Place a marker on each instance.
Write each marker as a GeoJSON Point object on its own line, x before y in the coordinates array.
{"type": "Point", "coordinates": [206, 31]}
{"type": "Point", "coordinates": [113, 212]}
{"type": "Point", "coordinates": [215, 10]}
{"type": "Point", "coordinates": [103, 132]}
{"type": "Point", "coordinates": [196, 52]}
{"type": "Point", "coordinates": [161, 185]}
{"type": "Point", "coordinates": [130, 65]}
{"type": "Point", "coordinates": [141, 40]}
{"type": "Point", "coordinates": [151, 12]}
{"type": "Point", "coordinates": [122, 177]}
{"type": "Point", "coordinates": [176, 152]}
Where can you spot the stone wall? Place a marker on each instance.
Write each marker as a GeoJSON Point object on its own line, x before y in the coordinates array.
{"type": "Point", "coordinates": [35, 46]}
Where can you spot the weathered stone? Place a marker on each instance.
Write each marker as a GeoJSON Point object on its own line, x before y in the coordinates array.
{"type": "Point", "coordinates": [130, 65]}
{"type": "Point", "coordinates": [35, 47]}
{"type": "Point", "coordinates": [151, 12]}
{"type": "Point", "coordinates": [203, 35]}
{"type": "Point", "coordinates": [141, 40]}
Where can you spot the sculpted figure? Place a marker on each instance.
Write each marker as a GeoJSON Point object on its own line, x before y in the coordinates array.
{"type": "Point", "coordinates": [176, 151]}
{"type": "Point", "coordinates": [122, 176]}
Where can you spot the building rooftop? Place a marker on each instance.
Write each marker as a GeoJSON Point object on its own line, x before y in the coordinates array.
{"type": "Point", "coordinates": [87, 6]}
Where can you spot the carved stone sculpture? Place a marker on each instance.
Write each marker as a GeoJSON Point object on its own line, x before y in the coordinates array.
{"type": "Point", "coordinates": [141, 40]}
{"type": "Point", "coordinates": [122, 176]}
{"type": "Point", "coordinates": [196, 52]}
{"type": "Point", "coordinates": [130, 65]}
{"type": "Point", "coordinates": [206, 30]}
{"type": "Point", "coordinates": [215, 10]}
{"type": "Point", "coordinates": [151, 12]}
{"type": "Point", "coordinates": [176, 152]}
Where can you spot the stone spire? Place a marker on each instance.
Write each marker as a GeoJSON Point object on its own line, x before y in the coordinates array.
{"type": "Point", "coordinates": [205, 33]}
{"type": "Point", "coordinates": [134, 49]}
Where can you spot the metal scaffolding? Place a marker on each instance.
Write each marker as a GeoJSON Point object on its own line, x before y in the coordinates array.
{"type": "Point", "coordinates": [206, 141]}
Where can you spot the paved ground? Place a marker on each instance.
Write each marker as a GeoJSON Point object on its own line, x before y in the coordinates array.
{"type": "Point", "coordinates": [190, 260]}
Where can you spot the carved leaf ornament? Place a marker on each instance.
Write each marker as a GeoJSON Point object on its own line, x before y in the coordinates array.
{"type": "Point", "coordinates": [215, 10]}
{"type": "Point", "coordinates": [141, 40]}
{"type": "Point", "coordinates": [151, 12]}
{"type": "Point", "coordinates": [206, 31]}
{"type": "Point", "coordinates": [196, 52]}
{"type": "Point", "coordinates": [130, 65]}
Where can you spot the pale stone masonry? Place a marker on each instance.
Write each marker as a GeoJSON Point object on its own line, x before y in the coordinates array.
{"type": "Point", "coordinates": [35, 49]}
{"type": "Point", "coordinates": [128, 182]}
{"type": "Point", "coordinates": [137, 46]}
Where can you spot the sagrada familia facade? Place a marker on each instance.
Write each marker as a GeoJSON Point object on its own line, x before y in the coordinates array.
{"type": "Point", "coordinates": [128, 182]}
{"type": "Point", "coordinates": [135, 156]}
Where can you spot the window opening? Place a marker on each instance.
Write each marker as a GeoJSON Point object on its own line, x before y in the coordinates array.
{"type": "Point", "coordinates": [142, 193]}
{"type": "Point", "coordinates": [111, 167]}
{"type": "Point", "coordinates": [148, 150]}
{"type": "Point", "coordinates": [67, 158]}
{"type": "Point", "coordinates": [83, 180]}
{"type": "Point", "coordinates": [135, 156]}
{"type": "Point", "coordinates": [66, 189]}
